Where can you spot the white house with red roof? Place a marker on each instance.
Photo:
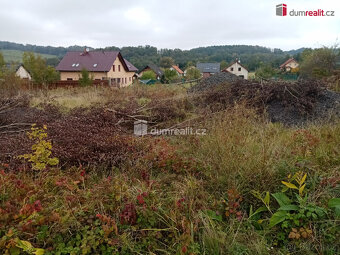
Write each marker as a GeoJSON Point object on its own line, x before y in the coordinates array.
{"type": "Point", "coordinates": [237, 69]}
{"type": "Point", "coordinates": [289, 65]}
{"type": "Point", "coordinates": [177, 69]}
{"type": "Point", "coordinates": [102, 65]}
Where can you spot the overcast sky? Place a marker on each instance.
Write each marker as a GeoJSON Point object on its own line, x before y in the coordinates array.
{"type": "Point", "coordinates": [183, 24]}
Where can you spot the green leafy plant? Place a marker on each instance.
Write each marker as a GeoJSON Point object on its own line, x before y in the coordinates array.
{"type": "Point", "coordinates": [13, 245]}
{"type": "Point", "coordinates": [41, 149]}
{"type": "Point", "coordinates": [148, 75]}
{"type": "Point", "coordinates": [86, 79]}
{"type": "Point", "coordinates": [28, 247]}
{"type": "Point", "coordinates": [295, 213]}
{"type": "Point", "coordinates": [334, 203]}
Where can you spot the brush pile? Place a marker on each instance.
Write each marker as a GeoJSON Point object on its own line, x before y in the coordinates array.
{"type": "Point", "coordinates": [291, 103]}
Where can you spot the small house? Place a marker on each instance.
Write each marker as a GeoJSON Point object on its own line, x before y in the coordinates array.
{"type": "Point", "coordinates": [155, 69]}
{"type": "Point", "coordinates": [23, 73]}
{"type": "Point", "coordinates": [177, 69]}
{"type": "Point", "coordinates": [20, 71]}
{"type": "Point", "coordinates": [208, 69]}
{"type": "Point", "coordinates": [237, 69]}
{"type": "Point", "coordinates": [289, 65]}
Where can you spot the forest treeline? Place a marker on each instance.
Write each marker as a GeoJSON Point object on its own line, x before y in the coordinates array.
{"type": "Point", "coordinates": [251, 56]}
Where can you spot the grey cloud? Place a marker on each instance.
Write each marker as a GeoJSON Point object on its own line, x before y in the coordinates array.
{"type": "Point", "coordinates": [167, 24]}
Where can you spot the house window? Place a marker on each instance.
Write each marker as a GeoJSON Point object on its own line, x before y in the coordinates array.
{"type": "Point", "coordinates": [113, 68]}
{"type": "Point", "coordinates": [125, 80]}
{"type": "Point", "coordinates": [118, 68]}
{"type": "Point", "coordinates": [231, 68]}
{"type": "Point", "coordinates": [239, 69]}
{"type": "Point", "coordinates": [103, 78]}
{"type": "Point", "coordinates": [69, 79]}
{"type": "Point", "coordinates": [118, 80]}
{"type": "Point", "coordinates": [129, 78]}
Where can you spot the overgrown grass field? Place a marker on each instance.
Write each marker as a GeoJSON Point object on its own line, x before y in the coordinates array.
{"type": "Point", "coordinates": [248, 186]}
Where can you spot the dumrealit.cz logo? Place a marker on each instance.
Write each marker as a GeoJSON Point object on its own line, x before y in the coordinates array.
{"type": "Point", "coordinates": [140, 128]}
{"type": "Point", "coordinates": [281, 10]}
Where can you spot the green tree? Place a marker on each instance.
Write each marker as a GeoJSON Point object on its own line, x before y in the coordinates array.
{"type": "Point", "coordinates": [318, 63]}
{"type": "Point", "coordinates": [170, 75]}
{"type": "Point", "coordinates": [86, 79]}
{"type": "Point", "coordinates": [166, 62]}
{"type": "Point", "coordinates": [2, 61]}
{"type": "Point", "coordinates": [189, 64]}
{"type": "Point", "coordinates": [192, 73]}
{"type": "Point", "coordinates": [223, 64]}
{"type": "Point", "coordinates": [40, 72]}
{"type": "Point", "coordinates": [265, 71]}
{"type": "Point", "coordinates": [148, 75]}
{"type": "Point", "coordinates": [2, 65]}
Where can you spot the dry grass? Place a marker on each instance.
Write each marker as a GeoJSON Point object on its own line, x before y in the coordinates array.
{"type": "Point", "coordinates": [70, 98]}
{"type": "Point", "coordinates": [184, 180]}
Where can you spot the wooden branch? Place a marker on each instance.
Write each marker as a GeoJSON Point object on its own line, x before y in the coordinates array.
{"type": "Point", "coordinates": [135, 117]}
{"type": "Point", "coordinates": [16, 124]}
{"type": "Point", "coordinates": [291, 93]}
{"type": "Point", "coordinates": [15, 131]}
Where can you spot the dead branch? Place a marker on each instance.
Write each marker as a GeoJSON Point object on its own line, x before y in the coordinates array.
{"type": "Point", "coordinates": [135, 117]}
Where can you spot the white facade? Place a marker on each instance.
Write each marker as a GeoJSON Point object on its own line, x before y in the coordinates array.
{"type": "Point", "coordinates": [23, 73]}
{"type": "Point", "coordinates": [291, 65]}
{"type": "Point", "coordinates": [237, 69]}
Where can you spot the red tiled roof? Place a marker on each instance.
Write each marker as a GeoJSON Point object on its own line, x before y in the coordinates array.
{"type": "Point", "coordinates": [287, 62]}
{"type": "Point", "coordinates": [93, 61]}
{"type": "Point", "coordinates": [177, 69]}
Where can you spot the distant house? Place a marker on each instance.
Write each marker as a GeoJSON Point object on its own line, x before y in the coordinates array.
{"type": "Point", "coordinates": [177, 69]}
{"type": "Point", "coordinates": [102, 65]}
{"type": "Point", "coordinates": [22, 72]}
{"type": "Point", "coordinates": [289, 65]}
{"type": "Point", "coordinates": [237, 69]}
{"type": "Point", "coordinates": [151, 67]}
{"type": "Point", "coordinates": [208, 69]}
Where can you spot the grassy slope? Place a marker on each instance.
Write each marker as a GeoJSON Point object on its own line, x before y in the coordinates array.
{"type": "Point", "coordinates": [16, 55]}
{"type": "Point", "coordinates": [177, 202]}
